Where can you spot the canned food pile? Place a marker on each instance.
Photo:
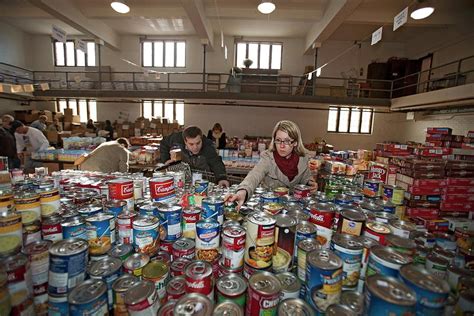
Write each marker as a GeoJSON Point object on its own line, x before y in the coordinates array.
{"type": "Point", "coordinates": [130, 245]}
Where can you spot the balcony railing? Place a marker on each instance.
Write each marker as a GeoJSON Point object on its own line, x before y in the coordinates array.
{"type": "Point", "coordinates": [454, 73]}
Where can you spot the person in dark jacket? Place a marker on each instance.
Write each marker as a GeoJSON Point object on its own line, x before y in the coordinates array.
{"type": "Point", "coordinates": [196, 150]}
{"type": "Point", "coordinates": [109, 128]}
{"type": "Point", "coordinates": [8, 148]}
{"type": "Point", "coordinates": [217, 135]}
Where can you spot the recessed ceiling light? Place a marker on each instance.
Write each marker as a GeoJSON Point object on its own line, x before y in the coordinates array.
{"type": "Point", "coordinates": [266, 7]}
{"type": "Point", "coordinates": [422, 10]}
{"type": "Point", "coordinates": [120, 6]}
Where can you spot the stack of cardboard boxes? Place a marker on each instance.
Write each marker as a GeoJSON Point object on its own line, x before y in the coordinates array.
{"type": "Point", "coordinates": [142, 127]}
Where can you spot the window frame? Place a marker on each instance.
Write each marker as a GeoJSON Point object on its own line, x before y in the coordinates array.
{"type": "Point", "coordinates": [259, 43]}
{"type": "Point", "coordinates": [163, 102]}
{"type": "Point", "coordinates": [68, 106]}
{"type": "Point", "coordinates": [175, 53]}
{"type": "Point", "coordinates": [338, 117]}
{"type": "Point", "coordinates": [86, 59]}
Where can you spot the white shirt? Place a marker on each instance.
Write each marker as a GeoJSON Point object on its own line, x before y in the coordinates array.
{"type": "Point", "coordinates": [34, 137]}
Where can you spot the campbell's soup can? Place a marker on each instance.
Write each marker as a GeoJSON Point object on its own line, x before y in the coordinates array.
{"type": "Point", "coordinates": [119, 289]}
{"type": "Point", "coordinates": [322, 215]}
{"type": "Point", "coordinates": [233, 246]}
{"type": "Point", "coordinates": [178, 265]}
{"type": "Point", "coordinates": [260, 240]}
{"type": "Point", "coordinates": [301, 191]}
{"type": "Point", "coordinates": [51, 228]}
{"type": "Point", "coordinates": [142, 299]}
{"type": "Point", "coordinates": [176, 288]}
{"type": "Point", "coordinates": [263, 294]}
{"type": "Point", "coordinates": [122, 190]}
{"type": "Point", "coordinates": [191, 216]}
{"type": "Point", "coordinates": [162, 189]}
{"type": "Point", "coordinates": [198, 303]}
{"type": "Point", "coordinates": [285, 233]}
{"type": "Point", "coordinates": [199, 278]}
{"type": "Point", "coordinates": [125, 227]}
{"type": "Point", "coordinates": [184, 247]}
{"type": "Point", "coordinates": [19, 283]}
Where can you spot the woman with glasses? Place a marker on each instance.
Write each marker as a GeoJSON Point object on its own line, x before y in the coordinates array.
{"type": "Point", "coordinates": [284, 164]}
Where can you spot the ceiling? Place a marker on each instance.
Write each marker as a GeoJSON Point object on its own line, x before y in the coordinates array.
{"type": "Point", "coordinates": [313, 20]}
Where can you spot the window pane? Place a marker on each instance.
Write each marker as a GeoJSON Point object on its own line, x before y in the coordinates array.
{"type": "Point", "coordinates": [332, 120]}
{"type": "Point", "coordinates": [344, 120]}
{"type": "Point", "coordinates": [355, 119]}
{"type": "Point", "coordinates": [158, 108]}
{"type": "Point", "coordinates": [73, 106]}
{"type": "Point", "coordinates": [146, 54]}
{"type": "Point", "coordinates": [158, 57]}
{"type": "Point", "coordinates": [59, 51]}
{"type": "Point", "coordinates": [70, 58]}
{"type": "Point", "coordinates": [169, 110]}
{"type": "Point", "coordinates": [264, 56]}
{"type": "Point", "coordinates": [366, 120]}
{"type": "Point", "coordinates": [253, 55]}
{"type": "Point", "coordinates": [83, 110]}
{"type": "Point", "coordinates": [93, 110]}
{"type": "Point", "coordinates": [169, 54]}
{"type": "Point", "coordinates": [62, 105]}
{"type": "Point", "coordinates": [241, 48]}
{"type": "Point", "coordinates": [147, 110]}
{"type": "Point", "coordinates": [180, 112]}
{"type": "Point", "coordinates": [276, 56]}
{"type": "Point", "coordinates": [180, 54]}
{"type": "Point", "coordinates": [81, 58]}
{"type": "Point", "coordinates": [90, 54]}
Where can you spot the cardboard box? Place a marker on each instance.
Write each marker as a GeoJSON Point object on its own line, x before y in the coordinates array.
{"type": "Point", "coordinates": [52, 136]}
{"type": "Point", "coordinates": [427, 213]}
{"type": "Point", "coordinates": [430, 198]}
{"type": "Point", "coordinates": [460, 182]}
{"type": "Point", "coordinates": [431, 183]}
{"type": "Point", "coordinates": [68, 116]}
{"type": "Point", "coordinates": [458, 190]}
{"type": "Point", "coordinates": [456, 206]}
{"type": "Point", "coordinates": [439, 130]}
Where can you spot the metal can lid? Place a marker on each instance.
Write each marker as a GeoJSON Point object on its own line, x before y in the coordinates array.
{"type": "Point", "coordinates": [284, 220]}
{"type": "Point", "coordinates": [120, 250]}
{"type": "Point", "coordinates": [231, 284]}
{"type": "Point", "coordinates": [120, 180]}
{"type": "Point", "coordinates": [104, 267]}
{"type": "Point", "coordinates": [193, 304]}
{"type": "Point", "coordinates": [371, 206]}
{"type": "Point", "coordinates": [405, 225]}
{"type": "Point", "coordinates": [353, 215]}
{"type": "Point", "coordinates": [228, 308]}
{"type": "Point", "coordinates": [261, 218]}
{"type": "Point", "coordinates": [139, 292]}
{"type": "Point", "coordinates": [87, 292]}
{"type": "Point", "coordinates": [136, 261]}
{"type": "Point", "coordinates": [289, 282]}
{"type": "Point", "coordinates": [295, 307]}
{"type": "Point", "coordinates": [301, 187]}
{"type": "Point", "coordinates": [437, 259]}
{"type": "Point", "coordinates": [325, 207]}
{"type": "Point", "coordinates": [198, 269]}
{"type": "Point", "coordinates": [145, 220]}
{"type": "Point", "coordinates": [37, 247]}
{"type": "Point", "coordinates": [73, 221]}
{"type": "Point", "coordinates": [368, 242]}
{"type": "Point", "coordinates": [184, 244]}
{"type": "Point", "coordinates": [234, 231]}
{"type": "Point", "coordinates": [354, 300]}
{"type": "Point", "coordinates": [339, 310]}
{"type": "Point", "coordinates": [179, 264]}
{"type": "Point", "coordinates": [13, 262]}
{"type": "Point", "coordinates": [70, 246]}
{"type": "Point", "coordinates": [400, 242]}
{"type": "Point", "coordinates": [167, 309]}
{"type": "Point", "coordinates": [423, 279]}
{"type": "Point", "coordinates": [378, 227]}
{"type": "Point", "coordinates": [207, 223]}
{"type": "Point", "coordinates": [391, 290]}
{"type": "Point", "coordinates": [347, 241]}
{"type": "Point", "coordinates": [99, 217]}
{"type": "Point", "coordinates": [265, 283]}
{"type": "Point", "coordinates": [306, 227]}
{"type": "Point", "coordinates": [155, 270]}
{"type": "Point", "coordinates": [168, 208]}
{"type": "Point", "coordinates": [177, 285]}
{"type": "Point", "coordinates": [124, 282]}
{"type": "Point", "coordinates": [389, 254]}
{"type": "Point", "coordinates": [309, 244]}
{"type": "Point", "coordinates": [298, 215]}
{"type": "Point", "coordinates": [324, 259]}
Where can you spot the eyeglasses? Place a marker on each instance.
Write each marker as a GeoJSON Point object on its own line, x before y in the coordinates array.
{"type": "Point", "coordinates": [287, 142]}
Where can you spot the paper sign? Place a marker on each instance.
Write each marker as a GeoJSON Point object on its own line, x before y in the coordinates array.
{"type": "Point", "coordinates": [376, 36]}
{"type": "Point", "coordinates": [59, 34]}
{"type": "Point", "coordinates": [81, 45]}
{"type": "Point", "coordinates": [400, 19]}
{"type": "Point", "coordinates": [225, 52]}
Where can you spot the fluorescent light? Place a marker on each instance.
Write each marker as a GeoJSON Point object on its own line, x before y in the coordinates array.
{"type": "Point", "coordinates": [266, 7]}
{"type": "Point", "coordinates": [120, 6]}
{"type": "Point", "coordinates": [422, 10]}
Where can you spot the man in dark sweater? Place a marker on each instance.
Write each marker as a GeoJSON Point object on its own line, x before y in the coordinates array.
{"type": "Point", "coordinates": [196, 150]}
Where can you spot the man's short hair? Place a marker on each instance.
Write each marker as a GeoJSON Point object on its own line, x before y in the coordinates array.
{"type": "Point", "coordinates": [16, 124]}
{"type": "Point", "coordinates": [123, 141]}
{"type": "Point", "coordinates": [8, 117]}
{"type": "Point", "coordinates": [192, 132]}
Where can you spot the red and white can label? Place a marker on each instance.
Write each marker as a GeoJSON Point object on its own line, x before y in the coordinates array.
{"type": "Point", "coordinates": [121, 189]}
{"type": "Point", "coordinates": [162, 189]}
{"type": "Point", "coordinates": [258, 304]}
{"type": "Point", "coordinates": [233, 249]}
{"type": "Point", "coordinates": [203, 286]}
{"type": "Point", "coordinates": [53, 232]}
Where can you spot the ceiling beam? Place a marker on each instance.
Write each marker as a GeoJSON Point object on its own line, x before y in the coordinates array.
{"type": "Point", "coordinates": [336, 13]}
{"type": "Point", "coordinates": [197, 15]}
{"type": "Point", "coordinates": [66, 11]}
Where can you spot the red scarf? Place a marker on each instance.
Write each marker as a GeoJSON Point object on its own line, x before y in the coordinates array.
{"type": "Point", "coordinates": [288, 166]}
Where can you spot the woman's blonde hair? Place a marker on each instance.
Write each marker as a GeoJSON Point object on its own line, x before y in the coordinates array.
{"type": "Point", "coordinates": [293, 132]}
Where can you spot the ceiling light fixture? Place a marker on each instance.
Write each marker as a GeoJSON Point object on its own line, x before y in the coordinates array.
{"type": "Point", "coordinates": [266, 7]}
{"type": "Point", "coordinates": [120, 6]}
{"type": "Point", "coordinates": [422, 10]}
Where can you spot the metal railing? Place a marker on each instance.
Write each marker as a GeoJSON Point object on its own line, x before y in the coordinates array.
{"type": "Point", "coordinates": [443, 76]}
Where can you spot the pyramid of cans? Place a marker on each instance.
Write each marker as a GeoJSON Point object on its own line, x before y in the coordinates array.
{"type": "Point", "coordinates": [80, 243]}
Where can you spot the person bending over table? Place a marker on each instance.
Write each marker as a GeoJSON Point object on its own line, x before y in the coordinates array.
{"type": "Point", "coordinates": [109, 157]}
{"type": "Point", "coordinates": [284, 164]}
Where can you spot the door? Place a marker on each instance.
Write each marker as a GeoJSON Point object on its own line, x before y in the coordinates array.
{"type": "Point", "coordinates": [425, 73]}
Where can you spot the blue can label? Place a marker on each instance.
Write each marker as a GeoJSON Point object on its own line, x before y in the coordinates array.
{"type": "Point", "coordinates": [201, 187]}
{"type": "Point", "coordinates": [146, 235]}
{"type": "Point", "coordinates": [269, 198]}
{"type": "Point", "coordinates": [58, 305]}
{"type": "Point", "coordinates": [148, 209]}
{"type": "Point", "coordinates": [78, 231]}
{"type": "Point", "coordinates": [389, 209]}
{"type": "Point", "coordinates": [109, 280]}
{"type": "Point", "coordinates": [375, 306]}
{"type": "Point", "coordinates": [213, 209]}
{"type": "Point", "coordinates": [388, 192]}
{"type": "Point", "coordinates": [427, 302]}
{"type": "Point", "coordinates": [351, 264]}
{"type": "Point", "coordinates": [65, 272]}
{"type": "Point", "coordinates": [323, 287]}
{"type": "Point", "coordinates": [170, 220]}
{"type": "Point", "coordinates": [380, 266]}
{"type": "Point", "coordinates": [96, 307]}
{"type": "Point", "coordinates": [101, 235]}
{"type": "Point", "coordinates": [116, 207]}
{"type": "Point", "coordinates": [207, 240]}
